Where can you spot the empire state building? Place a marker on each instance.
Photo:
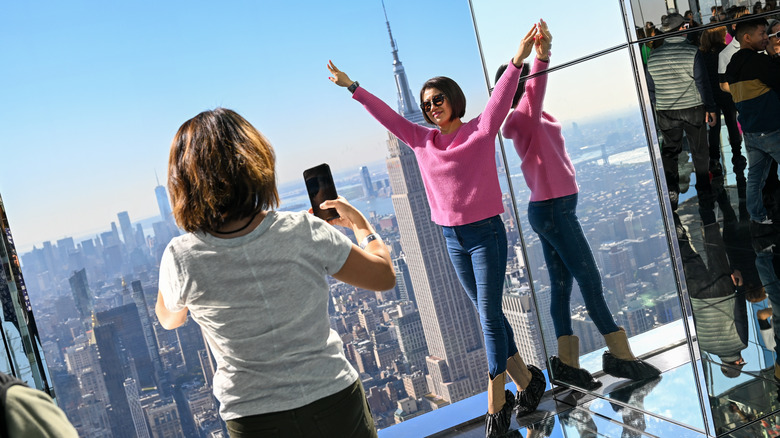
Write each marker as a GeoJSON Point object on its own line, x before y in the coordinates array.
{"type": "Point", "coordinates": [457, 366]}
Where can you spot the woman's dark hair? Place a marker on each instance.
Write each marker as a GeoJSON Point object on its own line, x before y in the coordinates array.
{"type": "Point", "coordinates": [451, 91]}
{"type": "Point", "coordinates": [521, 84]}
{"type": "Point", "coordinates": [220, 169]}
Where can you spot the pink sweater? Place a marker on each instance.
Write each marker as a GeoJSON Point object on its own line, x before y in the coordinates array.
{"type": "Point", "coordinates": [538, 140]}
{"type": "Point", "coordinates": [458, 169]}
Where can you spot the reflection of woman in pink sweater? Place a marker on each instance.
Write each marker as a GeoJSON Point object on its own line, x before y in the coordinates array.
{"type": "Point", "coordinates": [550, 176]}
{"type": "Point", "coordinates": [459, 173]}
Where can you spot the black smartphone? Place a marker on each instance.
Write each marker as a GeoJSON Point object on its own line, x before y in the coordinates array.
{"type": "Point", "coordinates": [320, 187]}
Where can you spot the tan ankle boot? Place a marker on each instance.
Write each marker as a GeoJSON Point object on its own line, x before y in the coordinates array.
{"type": "Point", "coordinates": [496, 393]}
{"type": "Point", "coordinates": [569, 350]}
{"type": "Point", "coordinates": [566, 366]}
{"type": "Point", "coordinates": [617, 343]}
{"type": "Point", "coordinates": [619, 361]}
{"type": "Point", "coordinates": [518, 371]}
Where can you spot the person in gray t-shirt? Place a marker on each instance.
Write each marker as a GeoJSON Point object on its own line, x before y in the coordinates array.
{"type": "Point", "coordinates": [254, 280]}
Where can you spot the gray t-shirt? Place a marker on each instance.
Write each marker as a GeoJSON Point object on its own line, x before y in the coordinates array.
{"type": "Point", "coordinates": [261, 300]}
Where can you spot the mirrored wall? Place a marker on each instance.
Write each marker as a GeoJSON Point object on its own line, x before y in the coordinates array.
{"type": "Point", "coordinates": [661, 202]}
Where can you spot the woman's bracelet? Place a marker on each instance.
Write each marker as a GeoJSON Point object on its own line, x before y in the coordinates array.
{"type": "Point", "coordinates": [368, 239]}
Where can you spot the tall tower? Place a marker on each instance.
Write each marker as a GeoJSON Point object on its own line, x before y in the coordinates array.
{"type": "Point", "coordinates": [81, 295]}
{"type": "Point", "coordinates": [456, 363]}
{"type": "Point", "coordinates": [128, 234]}
{"type": "Point", "coordinates": [365, 181]}
{"type": "Point", "coordinates": [166, 214]}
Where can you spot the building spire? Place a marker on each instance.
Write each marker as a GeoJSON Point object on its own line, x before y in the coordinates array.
{"type": "Point", "coordinates": [407, 105]}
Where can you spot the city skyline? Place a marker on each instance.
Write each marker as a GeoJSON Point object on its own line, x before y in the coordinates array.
{"type": "Point", "coordinates": [97, 93]}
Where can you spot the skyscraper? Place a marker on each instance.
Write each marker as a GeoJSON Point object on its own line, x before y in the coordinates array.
{"type": "Point", "coordinates": [146, 322]}
{"type": "Point", "coordinates": [456, 361]}
{"type": "Point", "coordinates": [128, 331]}
{"type": "Point", "coordinates": [166, 214]}
{"type": "Point", "coordinates": [81, 295]}
{"type": "Point", "coordinates": [127, 230]}
{"type": "Point", "coordinates": [365, 181]}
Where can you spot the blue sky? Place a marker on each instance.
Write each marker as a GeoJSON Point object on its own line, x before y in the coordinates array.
{"type": "Point", "coordinates": [93, 92]}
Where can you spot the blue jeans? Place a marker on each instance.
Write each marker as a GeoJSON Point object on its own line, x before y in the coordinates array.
{"type": "Point", "coordinates": [478, 253]}
{"type": "Point", "coordinates": [761, 148]}
{"type": "Point", "coordinates": [569, 257]}
{"type": "Point", "coordinates": [766, 273]}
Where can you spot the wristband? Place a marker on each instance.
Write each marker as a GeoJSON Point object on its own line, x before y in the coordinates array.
{"type": "Point", "coordinates": [353, 86]}
{"type": "Point", "coordinates": [368, 239]}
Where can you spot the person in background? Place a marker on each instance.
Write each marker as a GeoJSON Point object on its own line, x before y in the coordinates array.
{"type": "Point", "coordinates": [254, 280]}
{"type": "Point", "coordinates": [30, 413]}
{"type": "Point", "coordinates": [773, 47]}
{"type": "Point", "coordinates": [552, 212]}
{"type": "Point", "coordinates": [684, 105]}
{"type": "Point", "coordinates": [458, 168]}
{"type": "Point", "coordinates": [754, 81]}
{"type": "Point", "coordinates": [712, 41]}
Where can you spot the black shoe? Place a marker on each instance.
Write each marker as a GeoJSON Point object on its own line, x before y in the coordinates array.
{"type": "Point", "coordinates": [762, 235]}
{"type": "Point", "coordinates": [716, 169]}
{"type": "Point", "coordinates": [630, 369]}
{"type": "Point", "coordinates": [497, 424]}
{"type": "Point", "coordinates": [528, 399]}
{"type": "Point", "coordinates": [578, 377]}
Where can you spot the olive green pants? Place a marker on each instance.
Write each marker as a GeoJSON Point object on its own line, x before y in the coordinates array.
{"type": "Point", "coordinates": [344, 414]}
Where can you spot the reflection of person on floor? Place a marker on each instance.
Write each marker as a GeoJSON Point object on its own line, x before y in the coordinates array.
{"type": "Point", "coordinates": [633, 395]}
{"type": "Point", "coordinates": [458, 168]}
{"type": "Point", "coordinates": [552, 212]}
{"type": "Point", "coordinates": [719, 313]}
{"type": "Point", "coordinates": [581, 420]}
{"type": "Point", "coordinates": [684, 104]}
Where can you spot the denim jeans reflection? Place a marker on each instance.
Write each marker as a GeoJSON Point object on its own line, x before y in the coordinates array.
{"type": "Point", "coordinates": [766, 272]}
{"type": "Point", "coordinates": [478, 252]}
{"type": "Point", "coordinates": [761, 148]}
{"type": "Point", "coordinates": [568, 256]}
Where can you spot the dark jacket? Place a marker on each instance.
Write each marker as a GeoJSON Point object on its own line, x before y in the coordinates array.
{"type": "Point", "coordinates": [754, 80]}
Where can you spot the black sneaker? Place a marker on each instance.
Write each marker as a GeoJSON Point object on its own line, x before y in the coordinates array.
{"type": "Point", "coordinates": [528, 399]}
{"type": "Point", "coordinates": [630, 369]}
{"type": "Point", "coordinates": [497, 425]}
{"type": "Point", "coordinates": [578, 377]}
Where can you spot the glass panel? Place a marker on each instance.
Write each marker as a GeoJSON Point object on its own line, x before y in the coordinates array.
{"type": "Point", "coordinates": [648, 14]}
{"type": "Point", "coordinates": [617, 206]}
{"type": "Point", "coordinates": [581, 28]}
{"type": "Point", "coordinates": [706, 182]}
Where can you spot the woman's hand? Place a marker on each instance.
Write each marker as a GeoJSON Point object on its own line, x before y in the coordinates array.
{"type": "Point", "coordinates": [349, 216]}
{"type": "Point", "coordinates": [543, 42]}
{"type": "Point", "coordinates": [525, 47]}
{"type": "Point", "coordinates": [339, 77]}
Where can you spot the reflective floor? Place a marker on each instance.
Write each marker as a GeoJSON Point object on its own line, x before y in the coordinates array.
{"type": "Point", "coordinates": [663, 407]}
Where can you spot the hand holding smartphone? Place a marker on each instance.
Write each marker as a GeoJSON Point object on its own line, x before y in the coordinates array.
{"type": "Point", "coordinates": [320, 187]}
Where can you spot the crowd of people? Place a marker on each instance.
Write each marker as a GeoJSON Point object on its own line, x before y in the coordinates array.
{"type": "Point", "coordinates": [699, 79]}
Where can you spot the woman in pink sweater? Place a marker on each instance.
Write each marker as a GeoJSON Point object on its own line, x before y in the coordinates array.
{"type": "Point", "coordinates": [458, 169]}
{"type": "Point", "coordinates": [552, 212]}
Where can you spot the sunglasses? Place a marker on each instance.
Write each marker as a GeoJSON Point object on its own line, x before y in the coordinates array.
{"type": "Point", "coordinates": [437, 100]}
{"type": "Point", "coordinates": [774, 35]}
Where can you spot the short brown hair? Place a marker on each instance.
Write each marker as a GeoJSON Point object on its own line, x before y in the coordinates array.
{"type": "Point", "coordinates": [451, 91]}
{"type": "Point", "coordinates": [713, 39]}
{"type": "Point", "coordinates": [220, 169]}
